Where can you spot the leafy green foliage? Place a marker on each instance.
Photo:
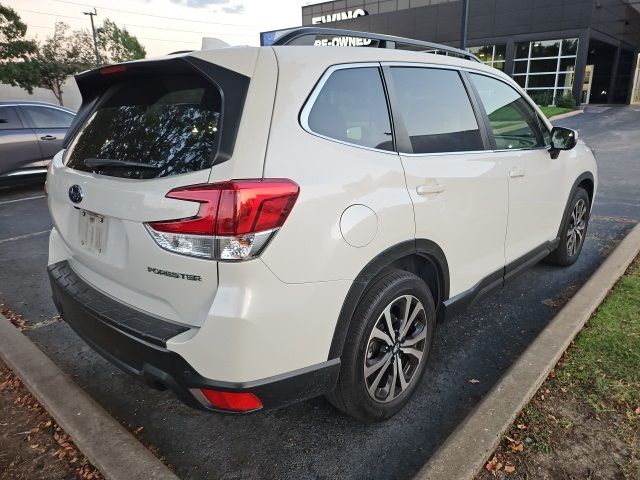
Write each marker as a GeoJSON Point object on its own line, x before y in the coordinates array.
{"type": "Point", "coordinates": [13, 45]}
{"type": "Point", "coordinates": [16, 52]}
{"type": "Point", "coordinates": [27, 64]}
{"type": "Point", "coordinates": [543, 98]}
{"type": "Point", "coordinates": [565, 101]}
{"type": "Point", "coordinates": [60, 56]}
{"type": "Point", "coordinates": [116, 45]}
{"type": "Point", "coordinates": [69, 52]}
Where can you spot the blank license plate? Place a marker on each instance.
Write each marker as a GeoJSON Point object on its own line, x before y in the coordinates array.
{"type": "Point", "coordinates": [92, 230]}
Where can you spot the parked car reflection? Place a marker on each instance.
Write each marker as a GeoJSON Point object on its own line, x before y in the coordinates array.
{"type": "Point", "coordinates": [31, 133]}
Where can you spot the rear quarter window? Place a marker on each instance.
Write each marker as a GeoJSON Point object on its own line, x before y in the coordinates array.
{"type": "Point", "coordinates": [351, 107]}
{"type": "Point", "coordinates": [150, 127]}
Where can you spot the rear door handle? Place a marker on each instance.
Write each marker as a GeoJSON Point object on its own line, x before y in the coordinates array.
{"type": "Point", "coordinates": [48, 137]}
{"type": "Point", "coordinates": [428, 188]}
{"type": "Point", "coordinates": [517, 173]}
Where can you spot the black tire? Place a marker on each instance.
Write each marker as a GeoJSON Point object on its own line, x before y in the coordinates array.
{"type": "Point", "coordinates": [352, 392]}
{"type": "Point", "coordinates": [566, 253]}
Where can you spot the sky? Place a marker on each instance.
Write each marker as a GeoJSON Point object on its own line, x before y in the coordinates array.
{"type": "Point", "coordinates": [164, 26]}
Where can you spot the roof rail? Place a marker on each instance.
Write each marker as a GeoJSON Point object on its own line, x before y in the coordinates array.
{"type": "Point", "coordinates": [296, 36]}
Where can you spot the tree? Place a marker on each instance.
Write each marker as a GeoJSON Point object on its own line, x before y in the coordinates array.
{"type": "Point", "coordinates": [16, 52]}
{"type": "Point", "coordinates": [69, 52]}
{"type": "Point", "coordinates": [116, 45]}
{"type": "Point", "coordinates": [60, 56]}
{"type": "Point", "coordinates": [27, 64]}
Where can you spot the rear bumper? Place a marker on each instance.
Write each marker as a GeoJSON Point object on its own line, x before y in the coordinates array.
{"type": "Point", "coordinates": [135, 342]}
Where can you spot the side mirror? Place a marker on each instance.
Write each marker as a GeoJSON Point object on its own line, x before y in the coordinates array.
{"type": "Point", "coordinates": [562, 139]}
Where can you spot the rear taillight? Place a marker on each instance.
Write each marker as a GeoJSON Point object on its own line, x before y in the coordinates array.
{"type": "Point", "coordinates": [235, 221]}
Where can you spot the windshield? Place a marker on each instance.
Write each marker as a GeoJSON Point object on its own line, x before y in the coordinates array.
{"type": "Point", "coordinates": [150, 127]}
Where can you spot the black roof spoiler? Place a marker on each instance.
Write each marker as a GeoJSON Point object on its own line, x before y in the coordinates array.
{"type": "Point", "coordinates": [292, 37]}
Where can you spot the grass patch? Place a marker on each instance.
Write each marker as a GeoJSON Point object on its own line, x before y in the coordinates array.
{"type": "Point", "coordinates": [553, 111]}
{"type": "Point", "coordinates": [603, 367]}
{"type": "Point", "coordinates": [584, 422]}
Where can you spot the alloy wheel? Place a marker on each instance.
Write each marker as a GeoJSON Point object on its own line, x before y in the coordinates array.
{"type": "Point", "coordinates": [395, 348]}
{"type": "Point", "coordinates": [577, 225]}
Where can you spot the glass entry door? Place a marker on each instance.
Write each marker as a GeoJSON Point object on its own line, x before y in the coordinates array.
{"type": "Point", "coordinates": [586, 84]}
{"type": "Point", "coordinates": [635, 94]}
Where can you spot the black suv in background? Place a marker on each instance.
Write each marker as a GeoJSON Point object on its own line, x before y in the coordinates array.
{"type": "Point", "coordinates": [31, 133]}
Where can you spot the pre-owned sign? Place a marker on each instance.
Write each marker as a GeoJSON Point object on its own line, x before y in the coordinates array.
{"type": "Point", "coordinates": [342, 42]}
{"type": "Point", "coordinates": [336, 17]}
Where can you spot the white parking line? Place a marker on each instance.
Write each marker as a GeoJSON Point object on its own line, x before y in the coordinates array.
{"type": "Point", "coordinates": [20, 237]}
{"type": "Point", "coordinates": [22, 199]}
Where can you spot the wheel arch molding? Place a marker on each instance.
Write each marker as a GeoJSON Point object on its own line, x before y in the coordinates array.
{"type": "Point", "coordinates": [423, 257]}
{"type": "Point", "coordinates": [586, 179]}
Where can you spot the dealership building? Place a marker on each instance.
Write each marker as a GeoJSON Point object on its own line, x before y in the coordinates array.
{"type": "Point", "coordinates": [587, 48]}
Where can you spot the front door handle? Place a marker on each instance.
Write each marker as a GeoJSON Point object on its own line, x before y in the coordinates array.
{"type": "Point", "coordinates": [517, 173]}
{"type": "Point", "coordinates": [427, 188]}
{"type": "Point", "coordinates": [48, 137]}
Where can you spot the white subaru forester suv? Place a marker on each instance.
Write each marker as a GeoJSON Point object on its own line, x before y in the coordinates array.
{"type": "Point", "coordinates": [253, 226]}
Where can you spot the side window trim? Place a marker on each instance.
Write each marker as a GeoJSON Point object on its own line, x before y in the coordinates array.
{"type": "Point", "coordinates": [478, 109]}
{"type": "Point", "coordinates": [487, 123]}
{"type": "Point", "coordinates": [403, 141]}
{"type": "Point", "coordinates": [544, 129]}
{"type": "Point", "coordinates": [401, 134]}
{"type": "Point", "coordinates": [303, 117]}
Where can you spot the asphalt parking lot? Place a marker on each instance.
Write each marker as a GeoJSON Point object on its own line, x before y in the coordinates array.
{"type": "Point", "coordinates": [311, 439]}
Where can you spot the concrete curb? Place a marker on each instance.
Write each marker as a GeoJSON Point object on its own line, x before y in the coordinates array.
{"type": "Point", "coordinates": [106, 443]}
{"type": "Point", "coordinates": [565, 115]}
{"type": "Point", "coordinates": [467, 449]}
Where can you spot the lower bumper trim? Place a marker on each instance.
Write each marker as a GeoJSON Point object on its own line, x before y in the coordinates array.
{"type": "Point", "coordinates": [164, 369]}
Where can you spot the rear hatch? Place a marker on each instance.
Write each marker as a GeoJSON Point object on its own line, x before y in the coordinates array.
{"type": "Point", "coordinates": [145, 129]}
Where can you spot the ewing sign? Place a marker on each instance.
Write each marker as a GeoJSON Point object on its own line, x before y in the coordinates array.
{"type": "Point", "coordinates": [336, 17]}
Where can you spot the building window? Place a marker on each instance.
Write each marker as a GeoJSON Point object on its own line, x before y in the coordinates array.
{"type": "Point", "coordinates": [492, 55]}
{"type": "Point", "coordinates": [545, 68]}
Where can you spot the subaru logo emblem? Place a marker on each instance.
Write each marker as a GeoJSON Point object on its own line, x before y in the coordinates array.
{"type": "Point", "coordinates": [75, 193]}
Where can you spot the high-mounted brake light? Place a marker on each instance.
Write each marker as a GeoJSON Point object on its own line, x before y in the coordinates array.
{"type": "Point", "coordinates": [113, 69]}
{"type": "Point", "coordinates": [233, 401]}
{"type": "Point", "coordinates": [235, 221]}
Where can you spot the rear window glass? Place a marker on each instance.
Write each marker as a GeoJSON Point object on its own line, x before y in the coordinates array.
{"type": "Point", "coordinates": [151, 127]}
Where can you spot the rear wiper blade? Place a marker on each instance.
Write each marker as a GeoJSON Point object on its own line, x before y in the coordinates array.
{"type": "Point", "coordinates": [110, 162]}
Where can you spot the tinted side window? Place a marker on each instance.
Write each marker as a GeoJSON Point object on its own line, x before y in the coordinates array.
{"type": "Point", "coordinates": [351, 107]}
{"type": "Point", "coordinates": [43, 117]}
{"type": "Point", "coordinates": [9, 118]}
{"type": "Point", "coordinates": [436, 110]}
{"type": "Point", "coordinates": [513, 121]}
